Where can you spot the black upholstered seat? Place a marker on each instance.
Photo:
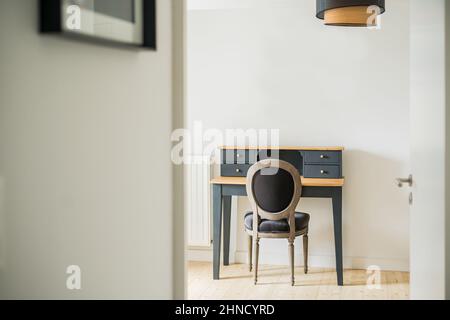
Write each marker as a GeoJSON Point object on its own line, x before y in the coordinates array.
{"type": "Point", "coordinates": [277, 226]}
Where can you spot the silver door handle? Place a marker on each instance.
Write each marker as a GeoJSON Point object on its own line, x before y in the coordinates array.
{"type": "Point", "coordinates": [401, 181]}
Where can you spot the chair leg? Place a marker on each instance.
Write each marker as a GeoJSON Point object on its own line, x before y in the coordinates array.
{"type": "Point", "coordinates": [291, 256]}
{"type": "Point", "coordinates": [250, 252]}
{"type": "Point", "coordinates": [256, 240]}
{"type": "Point", "coordinates": [305, 252]}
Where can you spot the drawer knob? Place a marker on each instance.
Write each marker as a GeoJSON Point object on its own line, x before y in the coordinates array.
{"type": "Point", "coordinates": [238, 155]}
{"type": "Point", "coordinates": [323, 156]}
{"type": "Point", "coordinates": [238, 170]}
{"type": "Point", "coordinates": [323, 172]}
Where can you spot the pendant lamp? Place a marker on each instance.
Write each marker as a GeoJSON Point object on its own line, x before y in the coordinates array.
{"type": "Point", "coordinates": [350, 13]}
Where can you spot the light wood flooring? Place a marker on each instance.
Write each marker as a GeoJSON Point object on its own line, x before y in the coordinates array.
{"type": "Point", "coordinates": [274, 283]}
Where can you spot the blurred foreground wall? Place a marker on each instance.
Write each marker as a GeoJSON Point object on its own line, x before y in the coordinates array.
{"type": "Point", "coordinates": [85, 171]}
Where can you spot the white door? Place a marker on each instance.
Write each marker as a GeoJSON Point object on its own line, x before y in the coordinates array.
{"type": "Point", "coordinates": [428, 130]}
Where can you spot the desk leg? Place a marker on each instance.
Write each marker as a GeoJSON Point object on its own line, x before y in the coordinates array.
{"type": "Point", "coordinates": [217, 228]}
{"type": "Point", "coordinates": [226, 229]}
{"type": "Point", "coordinates": [337, 218]}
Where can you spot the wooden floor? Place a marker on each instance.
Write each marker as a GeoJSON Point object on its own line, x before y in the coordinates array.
{"type": "Point", "coordinates": [274, 283]}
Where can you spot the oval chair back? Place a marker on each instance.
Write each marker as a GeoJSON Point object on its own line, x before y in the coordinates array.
{"type": "Point", "coordinates": [274, 189]}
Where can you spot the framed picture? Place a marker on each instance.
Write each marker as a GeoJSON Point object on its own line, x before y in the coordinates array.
{"type": "Point", "coordinates": [128, 22]}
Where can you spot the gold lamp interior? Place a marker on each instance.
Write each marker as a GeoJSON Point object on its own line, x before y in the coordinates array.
{"type": "Point", "coordinates": [361, 16]}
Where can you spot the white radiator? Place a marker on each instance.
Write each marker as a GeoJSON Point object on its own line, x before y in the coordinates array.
{"type": "Point", "coordinates": [198, 204]}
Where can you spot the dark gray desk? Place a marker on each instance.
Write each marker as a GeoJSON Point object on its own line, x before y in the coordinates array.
{"type": "Point", "coordinates": [311, 162]}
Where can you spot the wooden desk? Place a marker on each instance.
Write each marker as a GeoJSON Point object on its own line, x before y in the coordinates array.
{"type": "Point", "coordinates": [225, 187]}
{"type": "Point", "coordinates": [306, 182]}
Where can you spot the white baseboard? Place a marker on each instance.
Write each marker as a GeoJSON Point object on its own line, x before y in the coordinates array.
{"type": "Point", "coordinates": [199, 254]}
{"type": "Point", "coordinates": [274, 258]}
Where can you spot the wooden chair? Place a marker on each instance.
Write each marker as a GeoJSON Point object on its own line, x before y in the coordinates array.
{"type": "Point", "coordinates": [274, 190]}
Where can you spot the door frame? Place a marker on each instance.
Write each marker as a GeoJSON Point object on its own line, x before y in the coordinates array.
{"type": "Point", "coordinates": [179, 56]}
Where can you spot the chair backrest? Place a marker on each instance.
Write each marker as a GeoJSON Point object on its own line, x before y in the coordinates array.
{"type": "Point", "coordinates": [274, 190]}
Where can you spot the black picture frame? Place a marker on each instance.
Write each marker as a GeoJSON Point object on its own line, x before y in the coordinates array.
{"type": "Point", "coordinates": [51, 22]}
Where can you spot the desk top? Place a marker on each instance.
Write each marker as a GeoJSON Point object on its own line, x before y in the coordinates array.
{"type": "Point", "coordinates": [294, 148]}
{"type": "Point", "coordinates": [307, 182]}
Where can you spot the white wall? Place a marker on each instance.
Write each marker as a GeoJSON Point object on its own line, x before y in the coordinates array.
{"type": "Point", "coordinates": [84, 162]}
{"type": "Point", "coordinates": [272, 64]}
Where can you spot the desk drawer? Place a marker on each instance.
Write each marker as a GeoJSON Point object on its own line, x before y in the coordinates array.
{"type": "Point", "coordinates": [234, 170]}
{"type": "Point", "coordinates": [239, 156]}
{"type": "Point", "coordinates": [322, 171]}
{"type": "Point", "coordinates": [322, 157]}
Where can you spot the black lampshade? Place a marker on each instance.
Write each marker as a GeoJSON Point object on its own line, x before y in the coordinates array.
{"type": "Point", "coordinates": [349, 7]}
